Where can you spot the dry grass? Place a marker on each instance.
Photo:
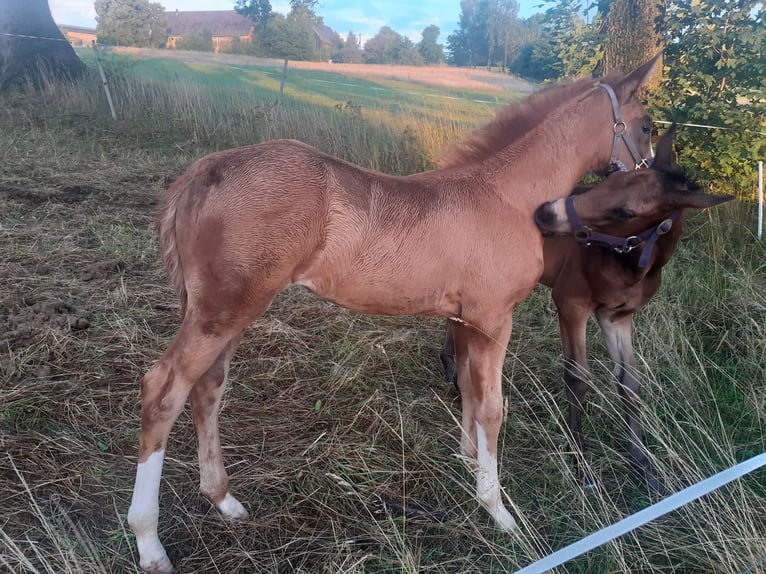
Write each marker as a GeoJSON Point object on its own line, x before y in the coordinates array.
{"type": "Point", "coordinates": [444, 76]}
{"type": "Point", "coordinates": [326, 407]}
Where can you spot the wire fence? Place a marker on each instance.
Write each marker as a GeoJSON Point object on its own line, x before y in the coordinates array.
{"type": "Point", "coordinates": [643, 517]}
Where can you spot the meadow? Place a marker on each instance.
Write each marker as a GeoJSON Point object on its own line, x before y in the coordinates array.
{"type": "Point", "coordinates": [327, 408]}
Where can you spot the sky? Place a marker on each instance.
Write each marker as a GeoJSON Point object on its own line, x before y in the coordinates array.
{"type": "Point", "coordinates": [407, 17]}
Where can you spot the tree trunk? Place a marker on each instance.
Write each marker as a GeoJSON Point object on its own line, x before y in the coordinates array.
{"type": "Point", "coordinates": [31, 45]}
{"type": "Point", "coordinates": [632, 37]}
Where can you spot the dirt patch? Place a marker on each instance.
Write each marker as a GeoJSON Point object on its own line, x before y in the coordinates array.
{"type": "Point", "coordinates": [68, 194]}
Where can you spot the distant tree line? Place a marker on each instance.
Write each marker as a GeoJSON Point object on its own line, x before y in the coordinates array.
{"type": "Point", "coordinates": [142, 23]}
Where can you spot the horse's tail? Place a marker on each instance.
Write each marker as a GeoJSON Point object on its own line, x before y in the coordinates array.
{"type": "Point", "coordinates": [166, 231]}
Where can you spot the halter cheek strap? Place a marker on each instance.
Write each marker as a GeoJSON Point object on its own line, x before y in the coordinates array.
{"type": "Point", "coordinates": [621, 134]}
{"type": "Point", "coordinates": [586, 236]}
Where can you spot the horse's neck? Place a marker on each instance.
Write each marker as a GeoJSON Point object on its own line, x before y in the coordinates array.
{"type": "Point", "coordinates": [548, 163]}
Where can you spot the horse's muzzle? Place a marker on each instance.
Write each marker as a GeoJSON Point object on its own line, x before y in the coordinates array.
{"type": "Point", "coordinates": [547, 220]}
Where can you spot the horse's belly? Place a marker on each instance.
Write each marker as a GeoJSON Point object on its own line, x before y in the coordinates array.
{"type": "Point", "coordinates": [384, 297]}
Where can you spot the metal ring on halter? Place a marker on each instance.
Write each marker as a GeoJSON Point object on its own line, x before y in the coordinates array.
{"type": "Point", "coordinates": [632, 242]}
{"type": "Point", "coordinates": [583, 234]}
{"type": "Point", "coordinates": [620, 130]}
{"type": "Point", "coordinates": [644, 163]}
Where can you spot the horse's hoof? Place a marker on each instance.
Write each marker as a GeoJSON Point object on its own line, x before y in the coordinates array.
{"type": "Point", "coordinates": [655, 488]}
{"type": "Point", "coordinates": [161, 566]}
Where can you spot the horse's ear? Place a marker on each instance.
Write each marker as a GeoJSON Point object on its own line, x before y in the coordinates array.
{"type": "Point", "coordinates": [637, 78]}
{"type": "Point", "coordinates": [664, 155]}
{"type": "Point", "coordinates": [704, 200]}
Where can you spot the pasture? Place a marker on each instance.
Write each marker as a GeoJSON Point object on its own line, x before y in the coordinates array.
{"type": "Point", "coordinates": [327, 408]}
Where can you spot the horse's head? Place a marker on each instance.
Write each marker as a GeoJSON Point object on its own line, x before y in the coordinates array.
{"type": "Point", "coordinates": [626, 206]}
{"type": "Point", "coordinates": [632, 128]}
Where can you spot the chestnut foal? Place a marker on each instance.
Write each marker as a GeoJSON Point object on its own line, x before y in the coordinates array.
{"type": "Point", "coordinates": [242, 225]}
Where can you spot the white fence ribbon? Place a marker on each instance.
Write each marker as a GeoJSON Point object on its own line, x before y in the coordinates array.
{"type": "Point", "coordinates": [644, 516]}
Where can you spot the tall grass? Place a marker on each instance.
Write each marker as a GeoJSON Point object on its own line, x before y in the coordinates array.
{"type": "Point", "coordinates": [326, 407]}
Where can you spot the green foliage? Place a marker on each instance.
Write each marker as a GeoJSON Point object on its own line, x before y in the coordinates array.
{"type": "Point", "coordinates": [287, 37]}
{"type": "Point", "coordinates": [259, 11]}
{"type": "Point", "coordinates": [390, 47]}
{"type": "Point", "coordinates": [276, 36]}
{"type": "Point", "coordinates": [469, 44]}
{"type": "Point", "coordinates": [577, 44]}
{"type": "Point", "coordinates": [428, 48]}
{"type": "Point", "coordinates": [131, 23]}
{"type": "Point", "coordinates": [350, 51]}
{"type": "Point", "coordinates": [201, 41]}
{"type": "Point", "coordinates": [714, 75]}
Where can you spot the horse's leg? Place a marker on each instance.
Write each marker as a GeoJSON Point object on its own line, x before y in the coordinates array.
{"type": "Point", "coordinates": [463, 382]}
{"type": "Point", "coordinates": [163, 394]}
{"type": "Point", "coordinates": [572, 322]}
{"type": "Point", "coordinates": [617, 329]}
{"type": "Point", "coordinates": [480, 363]}
{"type": "Point", "coordinates": [447, 355]}
{"type": "Point", "coordinates": [205, 400]}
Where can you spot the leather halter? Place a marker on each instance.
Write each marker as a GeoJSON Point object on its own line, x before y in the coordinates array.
{"type": "Point", "coordinates": [586, 236]}
{"type": "Point", "coordinates": [622, 134]}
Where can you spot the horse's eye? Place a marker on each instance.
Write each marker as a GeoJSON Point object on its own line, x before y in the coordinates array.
{"type": "Point", "coordinates": [622, 214]}
{"type": "Point", "coordinates": [646, 129]}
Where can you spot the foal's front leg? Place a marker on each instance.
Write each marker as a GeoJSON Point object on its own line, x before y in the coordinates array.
{"type": "Point", "coordinates": [617, 331]}
{"type": "Point", "coordinates": [480, 363]}
{"type": "Point", "coordinates": [572, 323]}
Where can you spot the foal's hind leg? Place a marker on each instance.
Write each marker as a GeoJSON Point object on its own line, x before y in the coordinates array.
{"type": "Point", "coordinates": [205, 400]}
{"type": "Point", "coordinates": [447, 355]}
{"type": "Point", "coordinates": [163, 394]}
{"type": "Point", "coordinates": [480, 362]}
{"type": "Point", "coordinates": [617, 331]}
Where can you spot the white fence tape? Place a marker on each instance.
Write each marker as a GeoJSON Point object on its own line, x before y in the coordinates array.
{"type": "Point", "coordinates": [646, 515]}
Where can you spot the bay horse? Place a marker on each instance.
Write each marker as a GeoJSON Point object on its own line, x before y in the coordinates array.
{"type": "Point", "coordinates": [241, 225]}
{"type": "Point", "coordinates": [612, 275]}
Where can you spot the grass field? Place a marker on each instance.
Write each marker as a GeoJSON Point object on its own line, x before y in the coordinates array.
{"type": "Point", "coordinates": [325, 407]}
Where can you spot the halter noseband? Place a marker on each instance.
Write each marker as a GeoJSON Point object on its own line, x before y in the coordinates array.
{"type": "Point", "coordinates": [586, 236]}
{"type": "Point", "coordinates": [621, 133]}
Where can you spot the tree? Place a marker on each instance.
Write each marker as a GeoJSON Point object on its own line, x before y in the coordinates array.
{"type": "Point", "coordinates": [504, 27]}
{"type": "Point", "coordinates": [469, 44]}
{"type": "Point", "coordinates": [288, 37]}
{"type": "Point", "coordinates": [32, 46]}
{"type": "Point", "coordinates": [486, 33]}
{"type": "Point", "coordinates": [715, 57]}
{"type": "Point", "coordinates": [259, 11]}
{"type": "Point", "coordinates": [632, 34]}
{"type": "Point", "coordinates": [131, 23]}
{"type": "Point", "coordinates": [351, 50]}
{"type": "Point", "coordinates": [201, 41]}
{"type": "Point", "coordinates": [429, 50]}
{"type": "Point", "coordinates": [390, 47]}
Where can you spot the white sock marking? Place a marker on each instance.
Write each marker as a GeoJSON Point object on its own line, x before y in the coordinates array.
{"type": "Point", "coordinates": [487, 483]}
{"type": "Point", "coordinates": [231, 508]}
{"type": "Point", "coordinates": [144, 514]}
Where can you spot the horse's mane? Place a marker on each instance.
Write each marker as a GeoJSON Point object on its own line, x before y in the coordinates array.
{"type": "Point", "coordinates": [674, 176]}
{"type": "Point", "coordinates": [514, 121]}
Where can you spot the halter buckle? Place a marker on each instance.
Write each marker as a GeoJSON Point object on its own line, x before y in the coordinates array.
{"type": "Point", "coordinates": [619, 128]}
{"type": "Point", "coordinates": [665, 226]}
